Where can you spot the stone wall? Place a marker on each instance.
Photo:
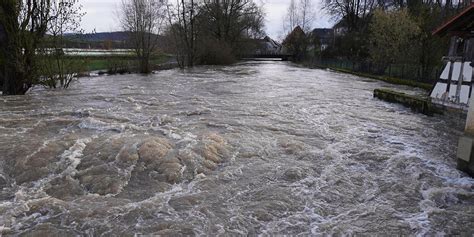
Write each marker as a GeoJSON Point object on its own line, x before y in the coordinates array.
{"type": "Point", "coordinates": [417, 104]}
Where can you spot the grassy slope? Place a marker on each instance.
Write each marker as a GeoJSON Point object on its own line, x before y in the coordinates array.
{"type": "Point", "coordinates": [391, 80]}
{"type": "Point", "coordinates": [94, 63]}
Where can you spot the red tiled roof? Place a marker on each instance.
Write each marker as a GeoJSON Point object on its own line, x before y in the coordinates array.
{"type": "Point", "coordinates": [459, 24]}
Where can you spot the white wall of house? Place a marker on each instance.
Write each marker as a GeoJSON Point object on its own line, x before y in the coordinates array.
{"type": "Point", "coordinates": [459, 90]}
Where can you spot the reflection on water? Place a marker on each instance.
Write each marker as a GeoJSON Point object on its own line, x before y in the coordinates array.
{"type": "Point", "coordinates": [254, 148]}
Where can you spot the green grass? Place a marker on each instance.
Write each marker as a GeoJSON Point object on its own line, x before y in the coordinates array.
{"type": "Point", "coordinates": [391, 80]}
{"type": "Point", "coordinates": [96, 63]}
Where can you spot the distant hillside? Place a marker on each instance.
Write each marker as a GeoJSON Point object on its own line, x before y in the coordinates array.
{"type": "Point", "coordinates": [100, 37]}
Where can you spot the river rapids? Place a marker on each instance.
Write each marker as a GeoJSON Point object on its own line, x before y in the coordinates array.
{"type": "Point", "coordinates": [257, 148]}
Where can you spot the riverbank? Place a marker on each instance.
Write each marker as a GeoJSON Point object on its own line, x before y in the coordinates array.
{"type": "Point", "coordinates": [415, 103]}
{"type": "Point", "coordinates": [391, 80]}
{"type": "Point", "coordinates": [96, 63]}
{"type": "Point", "coordinates": [418, 103]}
{"type": "Point", "coordinates": [124, 65]}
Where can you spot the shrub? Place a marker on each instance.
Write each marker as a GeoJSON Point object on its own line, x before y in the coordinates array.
{"type": "Point", "coordinates": [119, 66]}
{"type": "Point", "coordinates": [214, 52]}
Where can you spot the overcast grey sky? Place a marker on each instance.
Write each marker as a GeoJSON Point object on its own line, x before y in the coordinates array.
{"type": "Point", "coordinates": [102, 15]}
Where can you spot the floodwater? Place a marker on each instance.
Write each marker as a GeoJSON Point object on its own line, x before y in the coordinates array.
{"type": "Point", "coordinates": [258, 148]}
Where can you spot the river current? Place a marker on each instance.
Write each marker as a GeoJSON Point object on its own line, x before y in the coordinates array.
{"type": "Point", "coordinates": [257, 148]}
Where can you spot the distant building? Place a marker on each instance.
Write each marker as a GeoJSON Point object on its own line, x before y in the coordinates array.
{"type": "Point", "coordinates": [324, 36]}
{"type": "Point", "coordinates": [268, 46]}
{"type": "Point", "coordinates": [295, 43]}
{"type": "Point", "coordinates": [455, 85]}
{"type": "Point", "coordinates": [340, 28]}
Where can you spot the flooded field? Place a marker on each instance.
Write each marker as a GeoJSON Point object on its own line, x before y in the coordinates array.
{"type": "Point", "coordinates": [258, 148]}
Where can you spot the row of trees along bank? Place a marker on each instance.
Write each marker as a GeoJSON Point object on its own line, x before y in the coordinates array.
{"type": "Point", "coordinates": [198, 31]}
{"type": "Point", "coordinates": [380, 34]}
{"type": "Point", "coordinates": [32, 36]}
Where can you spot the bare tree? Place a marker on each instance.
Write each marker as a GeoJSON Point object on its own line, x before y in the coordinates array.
{"type": "Point", "coordinates": [306, 14]}
{"type": "Point", "coordinates": [290, 20]}
{"type": "Point", "coordinates": [213, 31]}
{"type": "Point", "coordinates": [182, 18]}
{"type": "Point", "coordinates": [144, 19]}
{"type": "Point", "coordinates": [230, 20]}
{"type": "Point", "coordinates": [353, 12]}
{"type": "Point", "coordinates": [300, 14]}
{"type": "Point", "coordinates": [65, 18]}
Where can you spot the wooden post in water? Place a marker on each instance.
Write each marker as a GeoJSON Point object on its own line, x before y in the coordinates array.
{"type": "Point", "coordinates": [465, 152]}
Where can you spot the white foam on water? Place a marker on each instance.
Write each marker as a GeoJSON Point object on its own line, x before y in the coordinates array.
{"type": "Point", "coordinates": [74, 153]}
{"type": "Point", "coordinates": [70, 159]}
{"type": "Point", "coordinates": [95, 124]}
{"type": "Point", "coordinates": [361, 165]}
{"type": "Point", "coordinates": [43, 146]}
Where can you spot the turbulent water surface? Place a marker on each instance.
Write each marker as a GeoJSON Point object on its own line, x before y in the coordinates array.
{"type": "Point", "coordinates": [255, 148]}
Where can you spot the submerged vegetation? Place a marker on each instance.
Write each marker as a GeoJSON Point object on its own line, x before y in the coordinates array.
{"type": "Point", "coordinates": [33, 35]}
{"type": "Point", "coordinates": [112, 64]}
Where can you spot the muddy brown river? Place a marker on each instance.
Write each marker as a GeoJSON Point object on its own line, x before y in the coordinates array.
{"type": "Point", "coordinates": [257, 148]}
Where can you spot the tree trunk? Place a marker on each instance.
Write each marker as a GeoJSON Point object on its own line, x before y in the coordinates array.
{"type": "Point", "coordinates": [14, 81]}
{"type": "Point", "coordinates": [145, 65]}
{"type": "Point", "coordinates": [18, 65]}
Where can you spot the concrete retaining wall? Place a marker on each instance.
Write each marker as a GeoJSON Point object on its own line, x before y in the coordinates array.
{"type": "Point", "coordinates": [417, 104]}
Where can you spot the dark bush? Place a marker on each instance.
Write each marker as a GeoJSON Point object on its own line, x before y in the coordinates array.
{"type": "Point", "coordinates": [214, 52]}
{"type": "Point", "coordinates": [119, 66]}
{"type": "Point", "coordinates": [1, 79]}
